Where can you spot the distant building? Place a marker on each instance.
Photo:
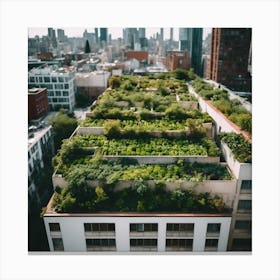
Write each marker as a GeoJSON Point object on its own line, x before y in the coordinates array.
{"type": "Point", "coordinates": [60, 83]}
{"type": "Point", "coordinates": [230, 53]}
{"type": "Point", "coordinates": [185, 37]}
{"type": "Point", "coordinates": [92, 83]}
{"type": "Point", "coordinates": [177, 59]}
{"type": "Point", "coordinates": [38, 105]}
{"type": "Point", "coordinates": [103, 35]}
{"type": "Point", "coordinates": [141, 56]}
{"type": "Point", "coordinates": [45, 56]}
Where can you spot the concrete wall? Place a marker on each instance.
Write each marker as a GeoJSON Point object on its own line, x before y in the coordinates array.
{"type": "Point", "coordinates": [189, 105]}
{"type": "Point", "coordinates": [167, 159]}
{"type": "Point", "coordinates": [74, 240]}
{"type": "Point", "coordinates": [89, 130]}
{"type": "Point", "coordinates": [242, 171]}
{"type": "Point", "coordinates": [222, 123]}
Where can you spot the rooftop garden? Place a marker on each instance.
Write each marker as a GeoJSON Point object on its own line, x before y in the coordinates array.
{"type": "Point", "coordinates": [80, 198]}
{"type": "Point", "coordinates": [135, 94]}
{"type": "Point", "coordinates": [232, 108]}
{"type": "Point", "coordinates": [147, 146]}
{"type": "Point", "coordinates": [241, 149]}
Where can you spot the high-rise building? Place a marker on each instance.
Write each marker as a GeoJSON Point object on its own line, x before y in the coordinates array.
{"type": "Point", "coordinates": [230, 52]}
{"type": "Point", "coordinates": [185, 38]}
{"type": "Point", "coordinates": [142, 39]}
{"type": "Point", "coordinates": [96, 35]}
{"type": "Point", "coordinates": [103, 35]}
{"type": "Point", "coordinates": [196, 51]}
{"type": "Point", "coordinates": [191, 41]}
{"type": "Point", "coordinates": [61, 35]}
{"type": "Point", "coordinates": [52, 37]}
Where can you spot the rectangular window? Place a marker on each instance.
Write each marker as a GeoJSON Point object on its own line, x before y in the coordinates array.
{"type": "Point", "coordinates": [66, 86]}
{"type": "Point", "coordinates": [58, 244]}
{"type": "Point", "coordinates": [242, 244]}
{"type": "Point", "coordinates": [246, 185]}
{"type": "Point", "coordinates": [65, 93]}
{"type": "Point", "coordinates": [243, 225]}
{"type": "Point", "coordinates": [58, 93]}
{"type": "Point", "coordinates": [213, 227]}
{"type": "Point", "coordinates": [143, 227]}
{"type": "Point", "coordinates": [54, 226]}
{"type": "Point", "coordinates": [102, 244]}
{"type": "Point", "coordinates": [32, 80]}
{"type": "Point", "coordinates": [60, 79]}
{"type": "Point", "coordinates": [179, 244]}
{"type": "Point", "coordinates": [54, 100]}
{"type": "Point", "coordinates": [143, 242]}
{"type": "Point", "coordinates": [98, 227]}
{"type": "Point", "coordinates": [50, 93]}
{"type": "Point", "coordinates": [47, 79]}
{"type": "Point", "coordinates": [211, 244]}
{"type": "Point", "coordinates": [245, 205]}
{"type": "Point", "coordinates": [180, 227]}
{"type": "Point", "coordinates": [40, 79]}
{"type": "Point", "coordinates": [54, 80]}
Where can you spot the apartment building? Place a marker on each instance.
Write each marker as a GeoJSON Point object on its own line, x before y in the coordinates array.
{"type": "Point", "coordinates": [163, 230]}
{"type": "Point", "coordinates": [40, 152]}
{"type": "Point", "coordinates": [60, 84]}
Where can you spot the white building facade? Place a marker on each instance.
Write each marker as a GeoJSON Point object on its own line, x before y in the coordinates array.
{"type": "Point", "coordinates": [134, 232]}
{"type": "Point", "coordinates": [60, 84]}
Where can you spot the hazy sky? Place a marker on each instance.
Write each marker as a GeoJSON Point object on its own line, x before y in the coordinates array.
{"type": "Point", "coordinates": [116, 32]}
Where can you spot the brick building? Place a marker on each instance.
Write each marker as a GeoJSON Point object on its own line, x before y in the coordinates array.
{"type": "Point", "coordinates": [230, 50]}
{"type": "Point", "coordinates": [139, 55]}
{"type": "Point", "coordinates": [38, 105]}
{"type": "Point", "coordinates": [177, 59]}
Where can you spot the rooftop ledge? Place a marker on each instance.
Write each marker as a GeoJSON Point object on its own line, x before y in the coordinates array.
{"type": "Point", "coordinates": [51, 213]}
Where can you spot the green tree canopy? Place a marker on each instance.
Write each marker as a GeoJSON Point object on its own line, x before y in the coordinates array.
{"type": "Point", "coordinates": [63, 126]}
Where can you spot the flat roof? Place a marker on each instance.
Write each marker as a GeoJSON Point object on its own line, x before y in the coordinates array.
{"type": "Point", "coordinates": [51, 213]}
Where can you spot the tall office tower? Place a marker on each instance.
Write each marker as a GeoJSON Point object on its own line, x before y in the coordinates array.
{"type": "Point", "coordinates": [131, 37]}
{"type": "Point", "coordinates": [52, 37]}
{"type": "Point", "coordinates": [61, 35]}
{"type": "Point", "coordinates": [185, 38]}
{"type": "Point", "coordinates": [161, 34]}
{"type": "Point", "coordinates": [103, 36]}
{"type": "Point", "coordinates": [142, 38]}
{"type": "Point", "coordinates": [230, 50]}
{"type": "Point", "coordinates": [96, 35]}
{"type": "Point", "coordinates": [196, 50]}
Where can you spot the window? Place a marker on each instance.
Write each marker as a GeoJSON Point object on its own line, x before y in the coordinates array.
{"type": "Point", "coordinates": [246, 185]}
{"type": "Point", "coordinates": [65, 93]}
{"type": "Point", "coordinates": [66, 86]}
{"type": "Point", "coordinates": [54, 79]}
{"type": "Point", "coordinates": [179, 244]}
{"type": "Point", "coordinates": [143, 227]}
{"type": "Point", "coordinates": [143, 242]}
{"type": "Point", "coordinates": [58, 86]}
{"type": "Point", "coordinates": [58, 93]}
{"type": "Point", "coordinates": [50, 93]}
{"type": "Point", "coordinates": [54, 226]}
{"type": "Point", "coordinates": [104, 244]}
{"type": "Point", "coordinates": [243, 225]}
{"type": "Point", "coordinates": [242, 244]}
{"type": "Point", "coordinates": [179, 229]}
{"type": "Point", "coordinates": [40, 79]}
{"type": "Point", "coordinates": [213, 227]}
{"type": "Point", "coordinates": [245, 205]}
{"type": "Point", "coordinates": [60, 79]}
{"type": "Point", "coordinates": [32, 80]}
{"type": "Point", "coordinates": [99, 227]}
{"type": "Point", "coordinates": [211, 244]}
{"type": "Point", "coordinates": [47, 79]}
{"type": "Point", "coordinates": [57, 244]}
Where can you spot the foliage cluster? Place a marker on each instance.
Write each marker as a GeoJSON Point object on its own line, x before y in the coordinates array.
{"type": "Point", "coordinates": [80, 198]}
{"type": "Point", "coordinates": [241, 149]}
{"type": "Point", "coordinates": [232, 108]}
{"type": "Point", "coordinates": [151, 146]}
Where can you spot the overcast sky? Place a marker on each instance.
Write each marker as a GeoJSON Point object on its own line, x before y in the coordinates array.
{"type": "Point", "coordinates": [116, 32]}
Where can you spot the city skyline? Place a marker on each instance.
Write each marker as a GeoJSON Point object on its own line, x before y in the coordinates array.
{"type": "Point", "coordinates": [116, 32]}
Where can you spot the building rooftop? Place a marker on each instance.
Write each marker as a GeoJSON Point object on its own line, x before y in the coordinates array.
{"type": "Point", "coordinates": [34, 91]}
{"type": "Point", "coordinates": [35, 133]}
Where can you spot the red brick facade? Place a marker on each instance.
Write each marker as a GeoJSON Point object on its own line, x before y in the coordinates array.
{"type": "Point", "coordinates": [38, 105]}
{"type": "Point", "coordinates": [137, 55]}
{"type": "Point", "coordinates": [176, 59]}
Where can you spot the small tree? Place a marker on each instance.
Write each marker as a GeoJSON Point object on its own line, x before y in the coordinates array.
{"type": "Point", "coordinates": [87, 47]}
